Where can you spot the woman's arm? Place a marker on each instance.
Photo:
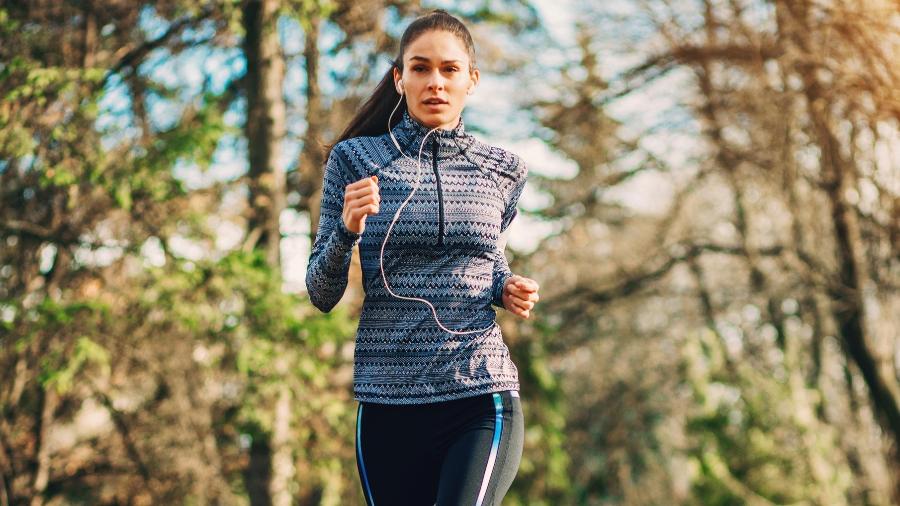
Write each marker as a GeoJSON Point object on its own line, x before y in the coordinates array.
{"type": "Point", "coordinates": [501, 274]}
{"type": "Point", "coordinates": [329, 259]}
{"type": "Point", "coordinates": [501, 267]}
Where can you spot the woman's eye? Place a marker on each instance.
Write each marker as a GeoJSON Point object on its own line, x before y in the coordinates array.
{"type": "Point", "coordinates": [417, 69]}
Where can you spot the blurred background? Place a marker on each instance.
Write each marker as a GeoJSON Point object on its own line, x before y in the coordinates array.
{"type": "Point", "coordinates": [713, 215]}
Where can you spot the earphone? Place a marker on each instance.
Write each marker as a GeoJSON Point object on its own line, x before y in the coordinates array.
{"type": "Point", "coordinates": [397, 215]}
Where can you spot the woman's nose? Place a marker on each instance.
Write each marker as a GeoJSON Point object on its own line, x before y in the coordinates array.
{"type": "Point", "coordinates": [435, 81]}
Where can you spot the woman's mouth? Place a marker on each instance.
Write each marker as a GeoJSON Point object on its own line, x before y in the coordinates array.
{"type": "Point", "coordinates": [435, 103]}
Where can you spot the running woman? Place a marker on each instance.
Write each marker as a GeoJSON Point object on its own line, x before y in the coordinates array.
{"type": "Point", "coordinates": [439, 418]}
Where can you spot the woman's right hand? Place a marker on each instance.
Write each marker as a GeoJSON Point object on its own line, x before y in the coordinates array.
{"type": "Point", "coordinates": [360, 200]}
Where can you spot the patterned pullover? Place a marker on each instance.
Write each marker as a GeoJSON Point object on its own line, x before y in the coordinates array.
{"type": "Point", "coordinates": [444, 247]}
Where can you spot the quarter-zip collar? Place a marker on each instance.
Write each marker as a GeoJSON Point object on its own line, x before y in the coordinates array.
{"type": "Point", "coordinates": [409, 134]}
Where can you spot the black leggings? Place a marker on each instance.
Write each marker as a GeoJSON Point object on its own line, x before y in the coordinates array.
{"type": "Point", "coordinates": [460, 452]}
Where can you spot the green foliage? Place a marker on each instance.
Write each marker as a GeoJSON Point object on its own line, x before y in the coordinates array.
{"type": "Point", "coordinates": [66, 330]}
{"type": "Point", "coordinates": [28, 87]}
{"type": "Point", "coordinates": [304, 10]}
{"type": "Point", "coordinates": [544, 475]}
{"type": "Point", "coordinates": [270, 337]}
{"type": "Point", "coordinates": [749, 440]}
{"type": "Point", "coordinates": [63, 376]}
{"type": "Point", "coordinates": [149, 173]}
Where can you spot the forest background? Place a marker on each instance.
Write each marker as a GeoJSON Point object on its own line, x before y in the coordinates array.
{"type": "Point", "coordinates": [713, 215]}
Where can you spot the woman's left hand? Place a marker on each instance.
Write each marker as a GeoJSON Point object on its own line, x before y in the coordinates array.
{"type": "Point", "coordinates": [519, 295]}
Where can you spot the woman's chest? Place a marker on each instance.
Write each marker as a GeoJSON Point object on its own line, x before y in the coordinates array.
{"type": "Point", "coordinates": [451, 206]}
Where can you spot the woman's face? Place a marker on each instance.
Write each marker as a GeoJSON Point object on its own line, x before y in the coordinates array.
{"type": "Point", "coordinates": [436, 78]}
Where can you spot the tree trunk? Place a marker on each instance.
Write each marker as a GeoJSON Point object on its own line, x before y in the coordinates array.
{"type": "Point", "coordinates": [49, 401]}
{"type": "Point", "coordinates": [312, 157]}
{"type": "Point", "coordinates": [282, 462]}
{"type": "Point", "coordinates": [265, 131]}
{"type": "Point", "coordinates": [265, 127]}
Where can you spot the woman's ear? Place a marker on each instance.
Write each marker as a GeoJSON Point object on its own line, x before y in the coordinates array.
{"type": "Point", "coordinates": [398, 83]}
{"type": "Point", "coordinates": [473, 77]}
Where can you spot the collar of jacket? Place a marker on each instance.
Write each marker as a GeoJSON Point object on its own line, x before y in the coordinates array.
{"type": "Point", "coordinates": [409, 134]}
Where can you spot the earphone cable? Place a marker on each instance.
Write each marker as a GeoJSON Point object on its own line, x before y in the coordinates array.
{"type": "Point", "coordinates": [397, 215]}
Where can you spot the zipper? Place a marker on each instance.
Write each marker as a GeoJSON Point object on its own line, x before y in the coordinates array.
{"type": "Point", "coordinates": [437, 177]}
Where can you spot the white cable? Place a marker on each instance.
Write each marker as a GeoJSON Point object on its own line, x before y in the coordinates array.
{"type": "Point", "coordinates": [397, 215]}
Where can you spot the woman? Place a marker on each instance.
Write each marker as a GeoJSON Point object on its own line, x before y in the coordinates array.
{"type": "Point", "coordinates": [439, 417]}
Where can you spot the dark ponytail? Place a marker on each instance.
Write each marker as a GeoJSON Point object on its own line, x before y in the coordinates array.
{"type": "Point", "coordinates": [373, 116]}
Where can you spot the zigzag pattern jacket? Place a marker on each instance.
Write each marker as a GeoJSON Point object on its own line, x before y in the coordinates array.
{"type": "Point", "coordinates": [444, 248]}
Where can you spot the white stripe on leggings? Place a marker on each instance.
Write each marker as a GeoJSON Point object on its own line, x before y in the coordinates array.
{"type": "Point", "coordinates": [498, 430]}
{"type": "Point", "coordinates": [359, 454]}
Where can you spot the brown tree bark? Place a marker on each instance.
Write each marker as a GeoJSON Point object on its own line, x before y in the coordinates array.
{"type": "Point", "coordinates": [49, 401]}
{"type": "Point", "coordinates": [265, 132]}
{"type": "Point", "coordinates": [265, 127]}
{"type": "Point", "coordinates": [312, 157]}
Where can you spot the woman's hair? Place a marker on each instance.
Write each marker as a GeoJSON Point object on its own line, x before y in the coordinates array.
{"type": "Point", "coordinates": [373, 116]}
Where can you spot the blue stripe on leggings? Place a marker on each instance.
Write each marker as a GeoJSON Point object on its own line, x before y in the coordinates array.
{"type": "Point", "coordinates": [359, 455]}
{"type": "Point", "coordinates": [498, 430]}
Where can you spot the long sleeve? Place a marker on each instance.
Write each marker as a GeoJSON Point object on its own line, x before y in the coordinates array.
{"type": "Point", "coordinates": [501, 265]}
{"type": "Point", "coordinates": [501, 274]}
{"type": "Point", "coordinates": [329, 259]}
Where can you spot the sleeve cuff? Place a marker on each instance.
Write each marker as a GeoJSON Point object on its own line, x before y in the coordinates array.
{"type": "Point", "coordinates": [498, 291]}
{"type": "Point", "coordinates": [346, 235]}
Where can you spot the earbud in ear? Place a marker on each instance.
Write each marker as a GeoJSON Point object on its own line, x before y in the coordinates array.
{"type": "Point", "coordinates": [400, 86]}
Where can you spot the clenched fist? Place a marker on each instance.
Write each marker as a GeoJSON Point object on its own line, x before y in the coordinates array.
{"type": "Point", "coordinates": [519, 295]}
{"type": "Point", "coordinates": [361, 199]}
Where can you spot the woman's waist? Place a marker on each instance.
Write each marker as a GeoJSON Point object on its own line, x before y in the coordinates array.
{"type": "Point", "coordinates": [425, 345]}
{"type": "Point", "coordinates": [455, 278]}
{"type": "Point", "coordinates": [410, 312]}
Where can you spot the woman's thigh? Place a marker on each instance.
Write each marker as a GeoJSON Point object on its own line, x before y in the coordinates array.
{"type": "Point", "coordinates": [392, 455]}
{"type": "Point", "coordinates": [482, 461]}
